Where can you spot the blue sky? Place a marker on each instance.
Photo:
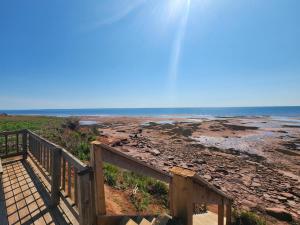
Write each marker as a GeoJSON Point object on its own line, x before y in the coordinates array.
{"type": "Point", "coordinates": [149, 53]}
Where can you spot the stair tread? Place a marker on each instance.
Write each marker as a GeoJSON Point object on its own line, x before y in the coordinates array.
{"type": "Point", "coordinates": [145, 222]}
{"type": "Point", "coordinates": [131, 222]}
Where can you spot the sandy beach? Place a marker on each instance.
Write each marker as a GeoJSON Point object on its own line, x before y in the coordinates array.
{"type": "Point", "coordinates": [254, 159]}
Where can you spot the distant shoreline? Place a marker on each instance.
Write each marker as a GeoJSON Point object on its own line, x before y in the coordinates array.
{"type": "Point", "coordinates": [277, 111]}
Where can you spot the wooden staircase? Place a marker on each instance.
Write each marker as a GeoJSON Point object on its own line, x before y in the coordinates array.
{"type": "Point", "coordinates": [160, 220]}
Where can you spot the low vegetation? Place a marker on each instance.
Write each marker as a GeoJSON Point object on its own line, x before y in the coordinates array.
{"type": "Point", "coordinates": [247, 218]}
{"type": "Point", "coordinates": [68, 133]}
{"type": "Point", "coordinates": [142, 190]}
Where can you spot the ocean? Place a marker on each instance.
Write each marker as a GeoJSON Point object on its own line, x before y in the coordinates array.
{"type": "Point", "coordinates": [284, 111]}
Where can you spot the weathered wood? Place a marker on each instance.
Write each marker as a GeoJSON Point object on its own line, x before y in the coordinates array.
{"type": "Point", "coordinates": [221, 214]}
{"type": "Point", "coordinates": [55, 179]}
{"type": "Point", "coordinates": [69, 180]}
{"type": "Point", "coordinates": [17, 142]}
{"type": "Point", "coordinates": [97, 165]}
{"type": "Point", "coordinates": [84, 199]}
{"type": "Point", "coordinates": [6, 146]}
{"type": "Point", "coordinates": [118, 219]}
{"type": "Point", "coordinates": [73, 160]}
{"type": "Point", "coordinates": [198, 180]}
{"type": "Point", "coordinates": [64, 175]}
{"type": "Point", "coordinates": [124, 161]}
{"type": "Point", "coordinates": [228, 213]}
{"type": "Point", "coordinates": [47, 158]}
{"type": "Point", "coordinates": [182, 194]}
{"type": "Point", "coordinates": [24, 143]}
{"type": "Point", "coordinates": [75, 186]}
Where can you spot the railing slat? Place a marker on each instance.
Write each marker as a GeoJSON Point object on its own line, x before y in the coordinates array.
{"type": "Point", "coordinates": [75, 186]}
{"type": "Point", "coordinates": [69, 180]}
{"type": "Point", "coordinates": [6, 146]}
{"type": "Point", "coordinates": [17, 142]}
{"type": "Point", "coordinates": [64, 175]}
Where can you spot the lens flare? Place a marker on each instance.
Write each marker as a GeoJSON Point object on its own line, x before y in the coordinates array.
{"type": "Point", "coordinates": [177, 45]}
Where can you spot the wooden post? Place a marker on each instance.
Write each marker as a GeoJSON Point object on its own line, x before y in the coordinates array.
{"type": "Point", "coordinates": [24, 144]}
{"type": "Point", "coordinates": [182, 194]}
{"type": "Point", "coordinates": [97, 164]}
{"type": "Point", "coordinates": [221, 214]}
{"type": "Point", "coordinates": [228, 213]}
{"type": "Point", "coordinates": [55, 178]}
{"type": "Point", "coordinates": [86, 216]}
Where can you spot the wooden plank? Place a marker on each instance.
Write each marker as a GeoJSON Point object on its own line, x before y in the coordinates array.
{"type": "Point", "coordinates": [17, 142]}
{"type": "Point", "coordinates": [221, 214]}
{"type": "Point", "coordinates": [64, 174]}
{"type": "Point", "coordinates": [182, 198]}
{"type": "Point", "coordinates": [75, 186]}
{"type": "Point", "coordinates": [69, 180]}
{"type": "Point", "coordinates": [55, 179]}
{"type": "Point", "coordinates": [228, 214]}
{"type": "Point", "coordinates": [24, 143]}
{"type": "Point", "coordinates": [47, 158]}
{"type": "Point", "coordinates": [124, 161]}
{"type": "Point", "coordinates": [50, 161]}
{"type": "Point", "coordinates": [12, 155]}
{"type": "Point", "coordinates": [74, 161]}
{"type": "Point", "coordinates": [6, 146]}
{"type": "Point", "coordinates": [117, 219]}
{"type": "Point", "coordinates": [69, 157]}
{"type": "Point", "coordinates": [84, 199]}
{"type": "Point", "coordinates": [98, 181]}
{"type": "Point", "coordinates": [11, 132]}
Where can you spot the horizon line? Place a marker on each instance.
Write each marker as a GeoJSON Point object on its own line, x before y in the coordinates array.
{"type": "Point", "coordinates": [175, 107]}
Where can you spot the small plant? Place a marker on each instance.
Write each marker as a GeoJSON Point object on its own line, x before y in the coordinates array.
{"type": "Point", "coordinates": [140, 200]}
{"type": "Point", "coordinates": [111, 174]}
{"type": "Point", "coordinates": [247, 218]}
{"type": "Point", "coordinates": [71, 123]}
{"type": "Point", "coordinates": [82, 151]}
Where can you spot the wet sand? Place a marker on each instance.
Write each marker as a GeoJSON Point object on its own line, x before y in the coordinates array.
{"type": "Point", "coordinates": [254, 159]}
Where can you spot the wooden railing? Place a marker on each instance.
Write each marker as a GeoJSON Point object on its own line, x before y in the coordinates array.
{"type": "Point", "coordinates": [70, 178]}
{"type": "Point", "coordinates": [81, 186]}
{"type": "Point", "coordinates": [13, 143]}
{"type": "Point", "coordinates": [185, 188]}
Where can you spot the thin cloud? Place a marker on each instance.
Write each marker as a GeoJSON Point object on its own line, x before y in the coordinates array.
{"type": "Point", "coordinates": [120, 15]}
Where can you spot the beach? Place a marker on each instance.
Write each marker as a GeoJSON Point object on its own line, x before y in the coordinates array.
{"type": "Point", "coordinates": [254, 159]}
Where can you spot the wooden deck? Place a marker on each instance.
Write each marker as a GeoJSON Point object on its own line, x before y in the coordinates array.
{"type": "Point", "coordinates": [25, 197]}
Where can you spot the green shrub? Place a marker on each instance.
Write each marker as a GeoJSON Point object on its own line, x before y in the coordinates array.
{"type": "Point", "coordinates": [247, 218]}
{"type": "Point", "coordinates": [83, 151]}
{"type": "Point", "coordinates": [157, 188]}
{"type": "Point", "coordinates": [111, 174]}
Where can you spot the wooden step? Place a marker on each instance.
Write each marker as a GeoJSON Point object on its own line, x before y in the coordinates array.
{"type": "Point", "coordinates": [131, 222]}
{"type": "Point", "coordinates": [145, 222]}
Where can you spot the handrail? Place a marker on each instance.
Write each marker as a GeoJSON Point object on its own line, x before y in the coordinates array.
{"type": "Point", "coordinates": [69, 177]}
{"type": "Point", "coordinates": [76, 162]}
{"type": "Point", "coordinates": [198, 180]}
{"type": "Point", "coordinates": [14, 143]}
{"type": "Point", "coordinates": [115, 157]}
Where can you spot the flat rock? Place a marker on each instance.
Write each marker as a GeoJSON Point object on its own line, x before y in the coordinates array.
{"type": "Point", "coordinates": [287, 195]}
{"type": "Point", "coordinates": [207, 177]}
{"type": "Point", "coordinates": [155, 152]}
{"type": "Point", "coordinates": [280, 214]}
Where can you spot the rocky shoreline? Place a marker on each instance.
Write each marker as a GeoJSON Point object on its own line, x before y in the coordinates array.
{"type": "Point", "coordinates": [255, 160]}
